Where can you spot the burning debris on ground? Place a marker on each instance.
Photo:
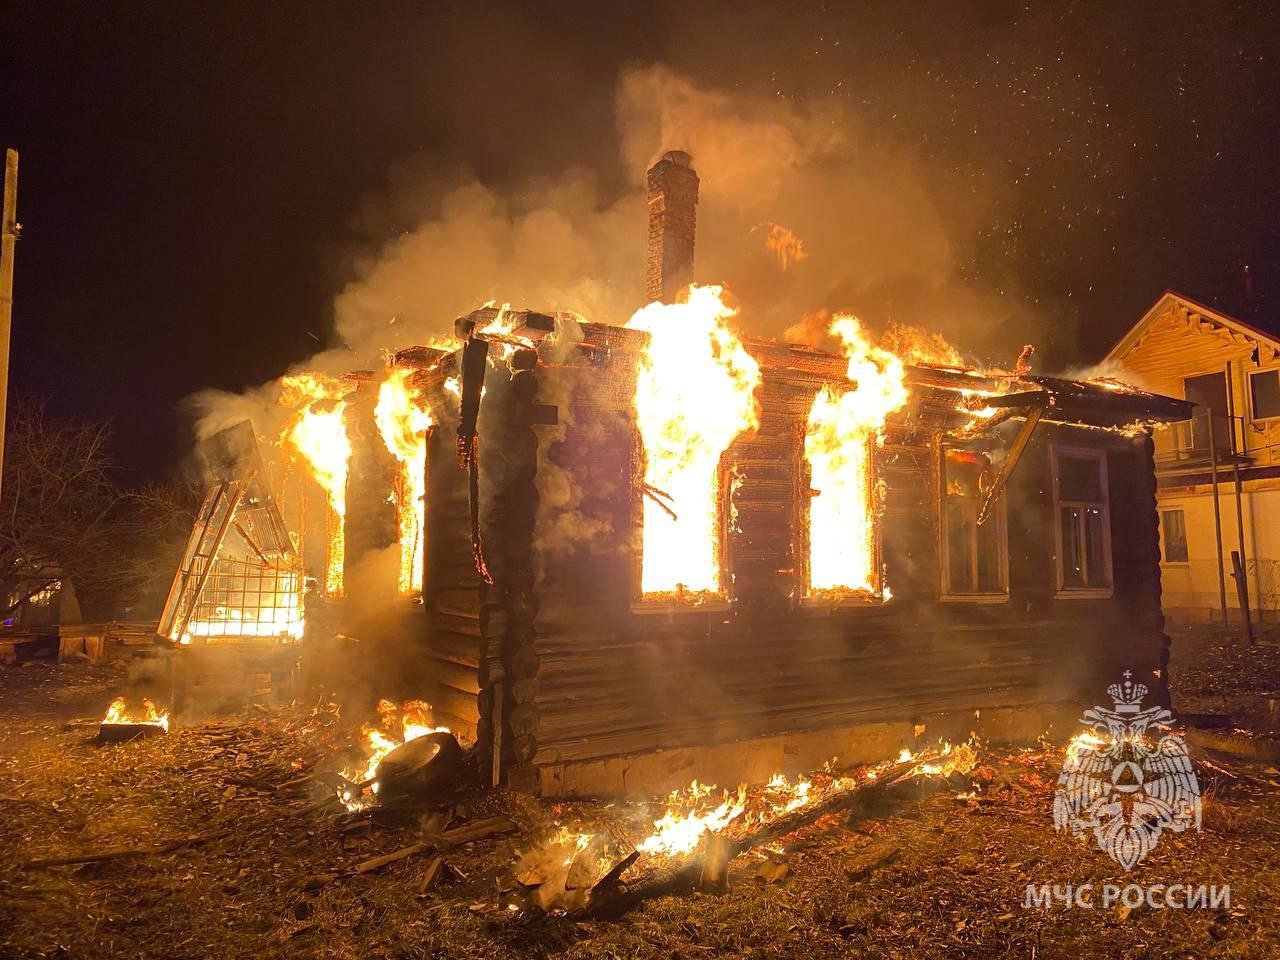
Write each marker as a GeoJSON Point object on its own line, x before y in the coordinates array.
{"type": "Point", "coordinates": [218, 840]}
{"type": "Point", "coordinates": [406, 756]}
{"type": "Point", "coordinates": [126, 721]}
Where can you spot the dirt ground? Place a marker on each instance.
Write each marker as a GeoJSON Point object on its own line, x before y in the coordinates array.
{"type": "Point", "coordinates": [269, 871]}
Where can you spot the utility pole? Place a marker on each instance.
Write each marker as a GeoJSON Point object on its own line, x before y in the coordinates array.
{"type": "Point", "coordinates": [8, 239]}
{"type": "Point", "coordinates": [1217, 518]}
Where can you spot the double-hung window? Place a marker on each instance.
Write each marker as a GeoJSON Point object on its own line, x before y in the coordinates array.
{"type": "Point", "coordinates": [1082, 521]}
{"type": "Point", "coordinates": [1173, 527]}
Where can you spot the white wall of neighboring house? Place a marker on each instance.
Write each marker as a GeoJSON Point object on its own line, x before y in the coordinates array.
{"type": "Point", "coordinates": [1190, 589]}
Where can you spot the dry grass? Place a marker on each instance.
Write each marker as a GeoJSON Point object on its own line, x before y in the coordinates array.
{"type": "Point", "coordinates": [274, 885]}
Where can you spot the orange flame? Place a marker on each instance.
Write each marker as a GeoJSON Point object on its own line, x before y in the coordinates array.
{"type": "Point", "coordinates": [916, 346]}
{"type": "Point", "coordinates": [695, 392]}
{"type": "Point", "coordinates": [1086, 741]}
{"type": "Point", "coordinates": [783, 796]}
{"type": "Point", "coordinates": [838, 443]}
{"type": "Point", "coordinates": [782, 243]}
{"type": "Point", "coordinates": [319, 434]}
{"type": "Point", "coordinates": [501, 330]}
{"type": "Point", "coordinates": [121, 711]}
{"type": "Point", "coordinates": [397, 724]}
{"type": "Point", "coordinates": [285, 619]}
{"type": "Point", "coordinates": [961, 758]}
{"type": "Point", "coordinates": [693, 814]}
{"type": "Point", "coordinates": [684, 824]}
{"type": "Point", "coordinates": [403, 422]}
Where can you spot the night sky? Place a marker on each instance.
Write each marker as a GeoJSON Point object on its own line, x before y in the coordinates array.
{"type": "Point", "coordinates": [196, 178]}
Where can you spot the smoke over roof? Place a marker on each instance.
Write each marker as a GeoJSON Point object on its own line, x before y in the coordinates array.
{"type": "Point", "coordinates": [879, 236]}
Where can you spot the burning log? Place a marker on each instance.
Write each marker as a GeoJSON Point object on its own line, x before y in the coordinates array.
{"type": "Point", "coordinates": [124, 722]}
{"type": "Point", "coordinates": [683, 876]}
{"type": "Point", "coordinates": [611, 880]}
{"type": "Point", "coordinates": [609, 898]}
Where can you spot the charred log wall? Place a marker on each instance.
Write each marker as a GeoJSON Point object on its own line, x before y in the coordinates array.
{"type": "Point", "coordinates": [451, 586]}
{"type": "Point", "coordinates": [614, 679]}
{"type": "Point", "coordinates": [481, 632]}
{"type": "Point", "coordinates": [592, 674]}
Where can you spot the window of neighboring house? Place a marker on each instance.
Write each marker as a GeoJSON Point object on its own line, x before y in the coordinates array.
{"type": "Point", "coordinates": [1173, 524]}
{"type": "Point", "coordinates": [1207, 390]}
{"type": "Point", "coordinates": [1209, 393]}
{"type": "Point", "coordinates": [1083, 519]}
{"type": "Point", "coordinates": [1264, 394]}
{"type": "Point", "coordinates": [975, 557]}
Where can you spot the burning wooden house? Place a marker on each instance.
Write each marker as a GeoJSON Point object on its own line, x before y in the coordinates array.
{"type": "Point", "coordinates": [989, 545]}
{"type": "Point", "coordinates": [662, 551]}
{"type": "Point", "coordinates": [670, 552]}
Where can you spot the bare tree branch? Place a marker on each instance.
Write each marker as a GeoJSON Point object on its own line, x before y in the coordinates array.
{"type": "Point", "coordinates": [63, 514]}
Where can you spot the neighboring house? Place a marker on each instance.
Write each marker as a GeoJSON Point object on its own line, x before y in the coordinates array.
{"type": "Point", "coordinates": [1231, 370]}
{"type": "Point", "coordinates": [40, 605]}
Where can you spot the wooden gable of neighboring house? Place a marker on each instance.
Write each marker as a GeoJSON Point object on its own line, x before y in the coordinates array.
{"type": "Point", "coordinates": [1178, 346]}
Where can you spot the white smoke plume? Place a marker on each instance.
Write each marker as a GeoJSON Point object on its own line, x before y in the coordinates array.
{"type": "Point", "coordinates": [881, 240]}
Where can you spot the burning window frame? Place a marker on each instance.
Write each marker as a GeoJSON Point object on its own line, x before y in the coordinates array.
{"type": "Point", "coordinates": [998, 519]}
{"type": "Point", "coordinates": [721, 597]}
{"type": "Point", "coordinates": [671, 341]}
{"type": "Point", "coordinates": [805, 495]}
{"type": "Point", "coordinates": [318, 424]}
{"type": "Point", "coordinates": [844, 413]}
{"type": "Point", "coordinates": [238, 545]}
{"type": "Point", "coordinates": [404, 420]}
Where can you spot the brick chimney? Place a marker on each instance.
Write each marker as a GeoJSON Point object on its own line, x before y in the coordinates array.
{"type": "Point", "coordinates": [673, 203]}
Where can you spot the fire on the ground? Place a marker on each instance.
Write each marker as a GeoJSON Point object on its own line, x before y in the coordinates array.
{"type": "Point", "coordinates": [126, 712]}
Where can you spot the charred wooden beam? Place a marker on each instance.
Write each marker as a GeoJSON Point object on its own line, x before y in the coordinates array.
{"type": "Point", "coordinates": [126, 732]}
{"type": "Point", "coordinates": [1010, 461]}
{"type": "Point", "coordinates": [468, 833]}
{"type": "Point", "coordinates": [122, 854]}
{"type": "Point", "coordinates": [1032, 398]}
{"type": "Point", "coordinates": [475, 359]}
